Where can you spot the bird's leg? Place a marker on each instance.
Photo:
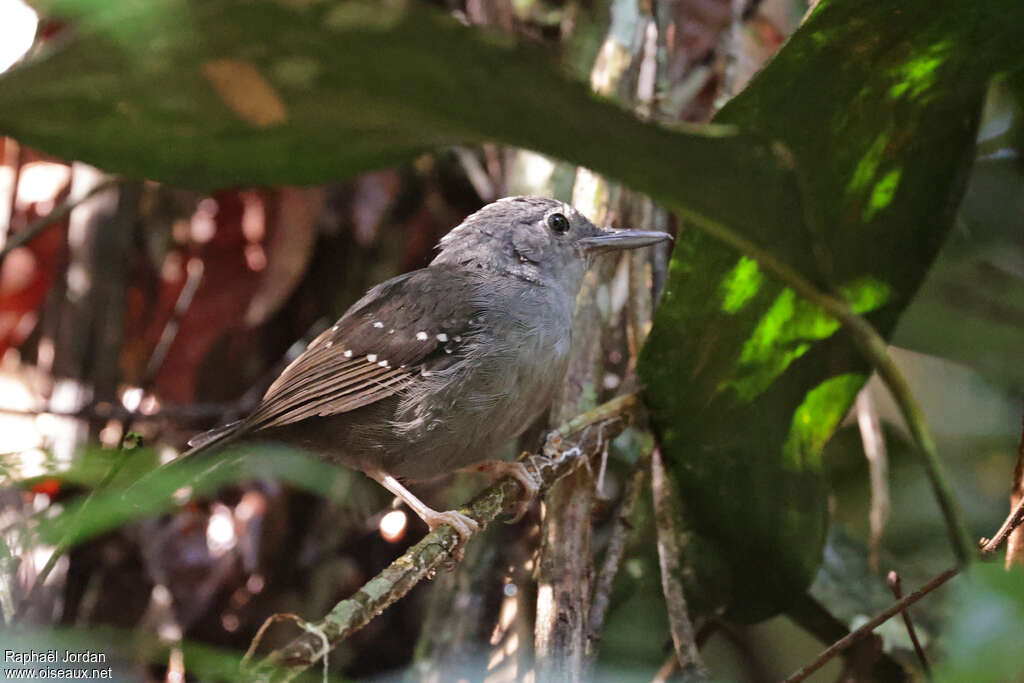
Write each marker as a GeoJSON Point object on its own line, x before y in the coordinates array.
{"type": "Point", "coordinates": [465, 526]}
{"type": "Point", "coordinates": [496, 469]}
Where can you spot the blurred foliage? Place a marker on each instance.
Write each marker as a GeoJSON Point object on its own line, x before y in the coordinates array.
{"type": "Point", "coordinates": [984, 638]}
{"type": "Point", "coordinates": [136, 493]}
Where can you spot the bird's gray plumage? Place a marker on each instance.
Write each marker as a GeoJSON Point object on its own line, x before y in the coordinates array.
{"type": "Point", "coordinates": [434, 370]}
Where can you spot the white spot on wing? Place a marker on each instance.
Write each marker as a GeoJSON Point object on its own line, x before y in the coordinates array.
{"type": "Point", "coordinates": [372, 357]}
{"type": "Point", "coordinates": [442, 337]}
{"type": "Point", "coordinates": [422, 336]}
{"type": "Point", "coordinates": [378, 324]}
{"type": "Point", "coordinates": [348, 353]}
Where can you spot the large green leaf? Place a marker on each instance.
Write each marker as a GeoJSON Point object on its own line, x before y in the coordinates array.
{"type": "Point", "coordinates": [879, 104]}
{"type": "Point", "coordinates": [220, 93]}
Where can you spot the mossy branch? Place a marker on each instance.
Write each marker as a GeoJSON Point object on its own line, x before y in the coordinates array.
{"type": "Point", "coordinates": [423, 559]}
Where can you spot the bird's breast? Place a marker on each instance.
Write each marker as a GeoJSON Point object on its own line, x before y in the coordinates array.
{"type": "Point", "coordinates": [506, 375]}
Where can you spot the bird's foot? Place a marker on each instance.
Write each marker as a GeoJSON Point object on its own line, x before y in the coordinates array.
{"type": "Point", "coordinates": [464, 526]}
{"type": "Point", "coordinates": [527, 478]}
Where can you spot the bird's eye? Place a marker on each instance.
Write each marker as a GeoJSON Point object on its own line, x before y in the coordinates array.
{"type": "Point", "coordinates": [558, 222]}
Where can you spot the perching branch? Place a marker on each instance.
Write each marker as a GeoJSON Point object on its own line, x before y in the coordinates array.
{"type": "Point", "coordinates": [437, 547]}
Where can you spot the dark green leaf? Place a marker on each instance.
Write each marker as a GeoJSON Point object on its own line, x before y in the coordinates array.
{"type": "Point", "coordinates": [879, 103]}
{"type": "Point", "coordinates": [222, 93]}
{"type": "Point", "coordinates": [984, 633]}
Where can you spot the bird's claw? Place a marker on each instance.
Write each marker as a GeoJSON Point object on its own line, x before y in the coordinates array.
{"type": "Point", "coordinates": [528, 478]}
{"type": "Point", "coordinates": [463, 525]}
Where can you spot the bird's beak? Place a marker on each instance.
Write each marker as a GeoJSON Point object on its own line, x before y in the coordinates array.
{"type": "Point", "coordinates": [610, 239]}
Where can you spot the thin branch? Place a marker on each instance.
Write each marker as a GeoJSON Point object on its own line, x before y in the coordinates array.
{"type": "Point", "coordinates": [433, 550]}
{"type": "Point", "coordinates": [843, 643]}
{"type": "Point", "coordinates": [875, 350]}
{"type": "Point", "coordinates": [1012, 521]}
{"type": "Point", "coordinates": [14, 160]}
{"type": "Point", "coordinates": [1015, 541]}
{"type": "Point", "coordinates": [476, 174]}
{"type": "Point", "coordinates": [61, 212]}
{"type": "Point", "coordinates": [666, 514]}
{"type": "Point", "coordinates": [894, 584]}
{"type": "Point", "coordinates": [878, 471]}
{"type": "Point", "coordinates": [613, 555]}
{"type": "Point", "coordinates": [668, 670]}
{"type": "Point", "coordinates": [194, 276]}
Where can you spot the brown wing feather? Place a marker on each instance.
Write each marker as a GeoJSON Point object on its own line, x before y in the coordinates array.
{"type": "Point", "coordinates": [376, 350]}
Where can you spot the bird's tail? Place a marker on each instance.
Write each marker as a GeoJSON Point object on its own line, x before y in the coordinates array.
{"type": "Point", "coordinates": [214, 438]}
{"type": "Point", "coordinates": [206, 441]}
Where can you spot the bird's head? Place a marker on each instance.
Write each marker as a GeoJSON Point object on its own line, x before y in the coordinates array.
{"type": "Point", "coordinates": [541, 240]}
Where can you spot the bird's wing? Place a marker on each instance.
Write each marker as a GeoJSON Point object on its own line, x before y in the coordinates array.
{"type": "Point", "coordinates": [379, 347]}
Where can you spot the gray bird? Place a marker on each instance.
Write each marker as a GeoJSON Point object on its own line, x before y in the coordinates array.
{"type": "Point", "coordinates": [433, 371]}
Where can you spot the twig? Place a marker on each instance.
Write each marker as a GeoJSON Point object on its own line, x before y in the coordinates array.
{"type": "Point", "coordinates": [14, 160]}
{"type": "Point", "coordinates": [1013, 520]}
{"type": "Point", "coordinates": [423, 559]}
{"type": "Point", "coordinates": [267, 623]}
{"type": "Point", "coordinates": [666, 512]}
{"type": "Point", "coordinates": [812, 616]}
{"type": "Point", "coordinates": [668, 670]}
{"type": "Point", "coordinates": [894, 584]}
{"type": "Point", "coordinates": [1015, 541]}
{"type": "Point", "coordinates": [33, 229]}
{"type": "Point", "coordinates": [613, 555]}
{"type": "Point", "coordinates": [878, 470]}
{"type": "Point", "coordinates": [875, 350]}
{"type": "Point", "coordinates": [476, 174]}
{"type": "Point", "coordinates": [845, 642]}
{"type": "Point", "coordinates": [194, 276]}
